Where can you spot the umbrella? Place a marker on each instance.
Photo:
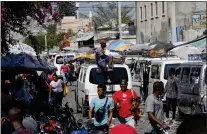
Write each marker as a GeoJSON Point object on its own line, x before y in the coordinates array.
{"type": "Point", "coordinates": [119, 45]}
{"type": "Point", "coordinates": [188, 50]}
{"type": "Point", "coordinates": [21, 47]}
{"type": "Point", "coordinates": [21, 61]}
{"type": "Point", "coordinates": [161, 45]}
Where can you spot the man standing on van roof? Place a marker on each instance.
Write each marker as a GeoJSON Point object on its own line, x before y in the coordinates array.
{"type": "Point", "coordinates": [123, 100]}
{"type": "Point", "coordinates": [102, 60]}
{"type": "Point", "coordinates": [171, 91]}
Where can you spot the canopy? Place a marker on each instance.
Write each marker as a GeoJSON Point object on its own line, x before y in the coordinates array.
{"type": "Point", "coordinates": [158, 45]}
{"type": "Point", "coordinates": [69, 49]}
{"type": "Point", "coordinates": [188, 50]}
{"type": "Point", "coordinates": [22, 48]}
{"type": "Point", "coordinates": [21, 61]}
{"type": "Point", "coordinates": [119, 45]}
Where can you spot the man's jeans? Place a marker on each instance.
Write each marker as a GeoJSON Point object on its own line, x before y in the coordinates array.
{"type": "Point", "coordinates": [129, 121]}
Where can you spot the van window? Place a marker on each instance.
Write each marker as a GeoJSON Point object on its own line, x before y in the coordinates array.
{"type": "Point", "coordinates": [116, 75]}
{"type": "Point", "coordinates": [81, 75]}
{"type": "Point", "coordinates": [59, 59]}
{"type": "Point", "coordinates": [177, 72]}
{"type": "Point", "coordinates": [167, 68]}
{"type": "Point", "coordinates": [84, 76]}
{"type": "Point", "coordinates": [155, 72]}
{"type": "Point", "coordinates": [195, 73]}
{"type": "Point", "coordinates": [185, 75]}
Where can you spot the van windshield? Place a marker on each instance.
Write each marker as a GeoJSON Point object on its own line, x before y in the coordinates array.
{"type": "Point", "coordinates": [116, 75]}
{"type": "Point", "coordinates": [59, 59]}
{"type": "Point", "coordinates": [167, 68]}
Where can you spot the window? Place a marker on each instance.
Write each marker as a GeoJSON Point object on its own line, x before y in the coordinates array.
{"type": "Point", "coordinates": [155, 72]}
{"type": "Point", "coordinates": [145, 11]}
{"type": "Point", "coordinates": [59, 59]}
{"type": "Point", "coordinates": [177, 72]}
{"type": "Point", "coordinates": [167, 68]}
{"type": "Point", "coordinates": [185, 75]}
{"type": "Point", "coordinates": [156, 6]}
{"type": "Point", "coordinates": [116, 75]}
{"type": "Point", "coordinates": [195, 73]}
{"type": "Point", "coordinates": [151, 9]}
{"type": "Point", "coordinates": [84, 76]}
{"type": "Point", "coordinates": [141, 13]}
{"type": "Point", "coordinates": [163, 7]}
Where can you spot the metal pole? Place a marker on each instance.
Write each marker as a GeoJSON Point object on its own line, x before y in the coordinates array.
{"type": "Point", "coordinates": [137, 23]}
{"type": "Point", "coordinates": [77, 11]}
{"type": "Point", "coordinates": [173, 22]}
{"type": "Point", "coordinates": [119, 16]}
{"type": "Point", "coordinates": [46, 45]}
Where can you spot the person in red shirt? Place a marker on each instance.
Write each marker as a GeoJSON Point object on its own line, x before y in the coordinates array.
{"type": "Point", "coordinates": [65, 72]}
{"type": "Point", "coordinates": [124, 103]}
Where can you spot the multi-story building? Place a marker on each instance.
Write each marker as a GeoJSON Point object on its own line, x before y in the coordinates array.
{"type": "Point", "coordinates": [155, 19]}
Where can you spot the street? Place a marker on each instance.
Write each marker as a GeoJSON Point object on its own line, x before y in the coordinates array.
{"type": "Point", "coordinates": [141, 124]}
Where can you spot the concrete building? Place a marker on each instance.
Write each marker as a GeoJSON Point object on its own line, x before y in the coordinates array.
{"type": "Point", "coordinates": [70, 22]}
{"type": "Point", "coordinates": [155, 19]}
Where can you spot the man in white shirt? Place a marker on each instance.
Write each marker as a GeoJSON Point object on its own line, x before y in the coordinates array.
{"type": "Point", "coordinates": [57, 86]}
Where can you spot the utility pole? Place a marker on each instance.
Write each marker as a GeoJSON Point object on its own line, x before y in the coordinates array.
{"type": "Point", "coordinates": [77, 10]}
{"type": "Point", "coordinates": [119, 16]}
{"type": "Point", "coordinates": [137, 22]}
{"type": "Point", "coordinates": [173, 22]}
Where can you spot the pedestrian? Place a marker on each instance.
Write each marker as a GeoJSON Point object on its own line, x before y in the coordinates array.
{"type": "Point", "coordinates": [171, 91]}
{"type": "Point", "coordinates": [154, 111]}
{"type": "Point", "coordinates": [101, 105]}
{"type": "Point", "coordinates": [124, 103]}
{"type": "Point", "coordinates": [102, 60]}
{"type": "Point", "coordinates": [71, 72]}
{"type": "Point", "coordinates": [123, 129]}
{"type": "Point", "coordinates": [57, 86]}
{"type": "Point", "coordinates": [64, 70]}
{"type": "Point", "coordinates": [195, 124]}
{"type": "Point", "coordinates": [15, 116]}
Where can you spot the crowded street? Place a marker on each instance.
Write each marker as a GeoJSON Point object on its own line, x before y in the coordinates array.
{"type": "Point", "coordinates": [115, 67]}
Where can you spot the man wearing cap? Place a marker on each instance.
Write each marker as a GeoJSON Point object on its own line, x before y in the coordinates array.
{"type": "Point", "coordinates": [102, 60]}
{"type": "Point", "coordinates": [124, 103]}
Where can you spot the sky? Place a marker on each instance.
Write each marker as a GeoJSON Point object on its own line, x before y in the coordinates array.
{"type": "Point", "coordinates": [85, 7]}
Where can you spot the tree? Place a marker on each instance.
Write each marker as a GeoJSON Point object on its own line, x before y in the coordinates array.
{"type": "Point", "coordinates": [53, 39]}
{"type": "Point", "coordinates": [106, 15]}
{"type": "Point", "coordinates": [67, 8]}
{"type": "Point", "coordinates": [14, 18]}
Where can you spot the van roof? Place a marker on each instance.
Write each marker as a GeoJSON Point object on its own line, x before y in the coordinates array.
{"type": "Point", "coordinates": [63, 54]}
{"type": "Point", "coordinates": [194, 63]}
{"type": "Point", "coordinates": [94, 65]}
{"type": "Point", "coordinates": [169, 61]}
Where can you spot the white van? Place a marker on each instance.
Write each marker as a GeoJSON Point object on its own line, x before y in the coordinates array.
{"type": "Point", "coordinates": [159, 71]}
{"type": "Point", "coordinates": [90, 77]}
{"type": "Point", "coordinates": [60, 58]}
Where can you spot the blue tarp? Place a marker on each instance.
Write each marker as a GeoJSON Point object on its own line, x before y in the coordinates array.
{"type": "Point", "coordinates": [22, 60]}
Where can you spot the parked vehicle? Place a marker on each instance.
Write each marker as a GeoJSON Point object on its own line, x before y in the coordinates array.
{"type": "Point", "coordinates": [192, 87]}
{"type": "Point", "coordinates": [89, 78]}
{"type": "Point", "coordinates": [60, 58]}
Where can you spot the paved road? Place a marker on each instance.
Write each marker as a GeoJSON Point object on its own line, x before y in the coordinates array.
{"type": "Point", "coordinates": [141, 124]}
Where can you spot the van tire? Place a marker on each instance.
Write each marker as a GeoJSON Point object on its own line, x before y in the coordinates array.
{"type": "Point", "coordinates": [84, 113]}
{"type": "Point", "coordinates": [77, 105]}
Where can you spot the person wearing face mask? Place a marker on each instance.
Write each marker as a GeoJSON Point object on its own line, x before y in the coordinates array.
{"type": "Point", "coordinates": [154, 112]}
{"type": "Point", "coordinates": [123, 100]}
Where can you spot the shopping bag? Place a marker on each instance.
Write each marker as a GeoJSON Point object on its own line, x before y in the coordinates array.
{"type": "Point", "coordinates": [66, 91]}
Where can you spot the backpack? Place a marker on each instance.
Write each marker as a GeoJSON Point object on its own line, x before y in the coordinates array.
{"type": "Point", "coordinates": [99, 114]}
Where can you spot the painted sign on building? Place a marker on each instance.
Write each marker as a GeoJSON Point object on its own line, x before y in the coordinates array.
{"type": "Point", "coordinates": [199, 19]}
